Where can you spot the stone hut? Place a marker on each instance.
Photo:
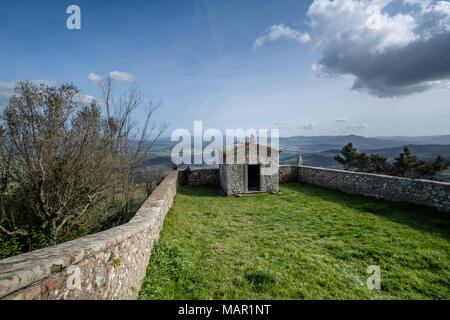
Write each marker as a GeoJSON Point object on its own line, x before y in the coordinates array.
{"type": "Point", "coordinates": [248, 167]}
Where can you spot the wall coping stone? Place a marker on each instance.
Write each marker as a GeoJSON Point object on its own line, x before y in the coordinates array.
{"type": "Point", "coordinates": [20, 271]}
{"type": "Point", "coordinates": [377, 175]}
{"type": "Point", "coordinates": [429, 193]}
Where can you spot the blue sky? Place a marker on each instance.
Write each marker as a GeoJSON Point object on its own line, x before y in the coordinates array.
{"type": "Point", "coordinates": [203, 60]}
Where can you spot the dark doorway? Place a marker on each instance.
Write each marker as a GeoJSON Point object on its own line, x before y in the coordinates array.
{"type": "Point", "coordinates": [254, 173]}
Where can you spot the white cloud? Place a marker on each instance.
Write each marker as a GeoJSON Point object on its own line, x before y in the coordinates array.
{"type": "Point", "coordinates": [115, 75]}
{"type": "Point", "coordinates": [279, 31]}
{"type": "Point", "coordinates": [87, 99]}
{"type": "Point", "coordinates": [122, 76]}
{"type": "Point", "coordinates": [308, 126]}
{"type": "Point", "coordinates": [94, 78]}
{"type": "Point", "coordinates": [346, 20]}
{"type": "Point", "coordinates": [341, 120]}
{"type": "Point", "coordinates": [442, 8]}
{"type": "Point", "coordinates": [282, 125]}
{"type": "Point", "coordinates": [6, 90]}
{"type": "Point", "coordinates": [387, 54]}
{"type": "Point", "coordinates": [358, 126]}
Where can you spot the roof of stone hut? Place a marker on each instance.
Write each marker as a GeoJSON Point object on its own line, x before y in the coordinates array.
{"type": "Point", "coordinates": [234, 147]}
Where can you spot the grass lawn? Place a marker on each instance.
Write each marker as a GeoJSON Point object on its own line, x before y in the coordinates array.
{"type": "Point", "coordinates": [306, 243]}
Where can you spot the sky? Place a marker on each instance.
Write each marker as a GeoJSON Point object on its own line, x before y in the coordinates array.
{"type": "Point", "coordinates": [372, 67]}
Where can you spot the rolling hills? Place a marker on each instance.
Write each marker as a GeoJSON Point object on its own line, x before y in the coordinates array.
{"type": "Point", "coordinates": [320, 150]}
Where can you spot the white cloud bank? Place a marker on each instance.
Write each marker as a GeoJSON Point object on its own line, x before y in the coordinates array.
{"type": "Point", "coordinates": [358, 126]}
{"type": "Point", "coordinates": [281, 31]}
{"type": "Point", "coordinates": [122, 76]}
{"type": "Point", "coordinates": [7, 89]}
{"type": "Point", "coordinates": [87, 99]}
{"type": "Point", "coordinates": [308, 126]}
{"type": "Point", "coordinates": [115, 75]}
{"type": "Point", "coordinates": [387, 54]}
{"type": "Point", "coordinates": [94, 78]}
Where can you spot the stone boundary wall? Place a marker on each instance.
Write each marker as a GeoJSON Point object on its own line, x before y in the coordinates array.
{"type": "Point", "coordinates": [199, 177]}
{"type": "Point", "coordinates": [424, 192]}
{"type": "Point", "coordinates": [288, 173]}
{"type": "Point", "coordinates": [106, 265]}
{"type": "Point", "coordinates": [211, 177]}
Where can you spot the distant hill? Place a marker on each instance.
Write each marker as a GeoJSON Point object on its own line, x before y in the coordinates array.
{"type": "Point", "coordinates": [314, 143]}
{"type": "Point", "coordinates": [423, 152]}
{"type": "Point", "coordinates": [358, 141]}
{"type": "Point", "coordinates": [443, 139]}
{"type": "Point", "coordinates": [323, 159]}
{"type": "Point", "coordinates": [320, 150]}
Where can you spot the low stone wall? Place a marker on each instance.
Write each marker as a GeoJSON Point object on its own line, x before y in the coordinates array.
{"type": "Point", "coordinates": [199, 177]}
{"type": "Point", "coordinates": [106, 265]}
{"type": "Point", "coordinates": [288, 173]}
{"type": "Point", "coordinates": [424, 192]}
{"type": "Point", "coordinates": [211, 177]}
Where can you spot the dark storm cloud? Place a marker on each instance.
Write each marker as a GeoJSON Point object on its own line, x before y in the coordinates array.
{"type": "Point", "coordinates": [396, 71]}
{"type": "Point", "coordinates": [388, 54]}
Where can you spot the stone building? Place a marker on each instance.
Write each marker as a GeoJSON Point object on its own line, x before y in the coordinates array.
{"type": "Point", "coordinates": [248, 167]}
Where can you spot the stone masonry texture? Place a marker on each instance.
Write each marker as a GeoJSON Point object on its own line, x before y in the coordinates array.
{"type": "Point", "coordinates": [424, 192]}
{"type": "Point", "coordinates": [106, 265]}
{"type": "Point", "coordinates": [199, 177]}
{"type": "Point", "coordinates": [288, 173]}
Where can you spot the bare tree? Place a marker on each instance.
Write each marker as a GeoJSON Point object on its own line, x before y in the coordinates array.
{"type": "Point", "coordinates": [60, 158]}
{"type": "Point", "coordinates": [151, 177]}
{"type": "Point", "coordinates": [132, 143]}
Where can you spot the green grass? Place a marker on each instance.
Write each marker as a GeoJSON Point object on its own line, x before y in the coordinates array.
{"type": "Point", "coordinates": [306, 243]}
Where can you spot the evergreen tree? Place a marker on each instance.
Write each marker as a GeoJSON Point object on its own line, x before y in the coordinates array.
{"type": "Point", "coordinates": [379, 164]}
{"type": "Point", "coordinates": [363, 162]}
{"type": "Point", "coordinates": [350, 158]}
{"type": "Point", "coordinates": [430, 170]}
{"type": "Point", "coordinates": [407, 165]}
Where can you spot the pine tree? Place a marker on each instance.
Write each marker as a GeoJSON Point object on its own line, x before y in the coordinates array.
{"type": "Point", "coordinates": [430, 170]}
{"type": "Point", "coordinates": [350, 158]}
{"type": "Point", "coordinates": [379, 164]}
{"type": "Point", "coordinates": [407, 165]}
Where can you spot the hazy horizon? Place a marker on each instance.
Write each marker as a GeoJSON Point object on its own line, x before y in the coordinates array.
{"type": "Point", "coordinates": [165, 136]}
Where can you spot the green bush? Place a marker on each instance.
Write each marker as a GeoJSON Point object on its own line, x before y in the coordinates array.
{"type": "Point", "coordinates": [42, 239]}
{"type": "Point", "coordinates": [9, 246]}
